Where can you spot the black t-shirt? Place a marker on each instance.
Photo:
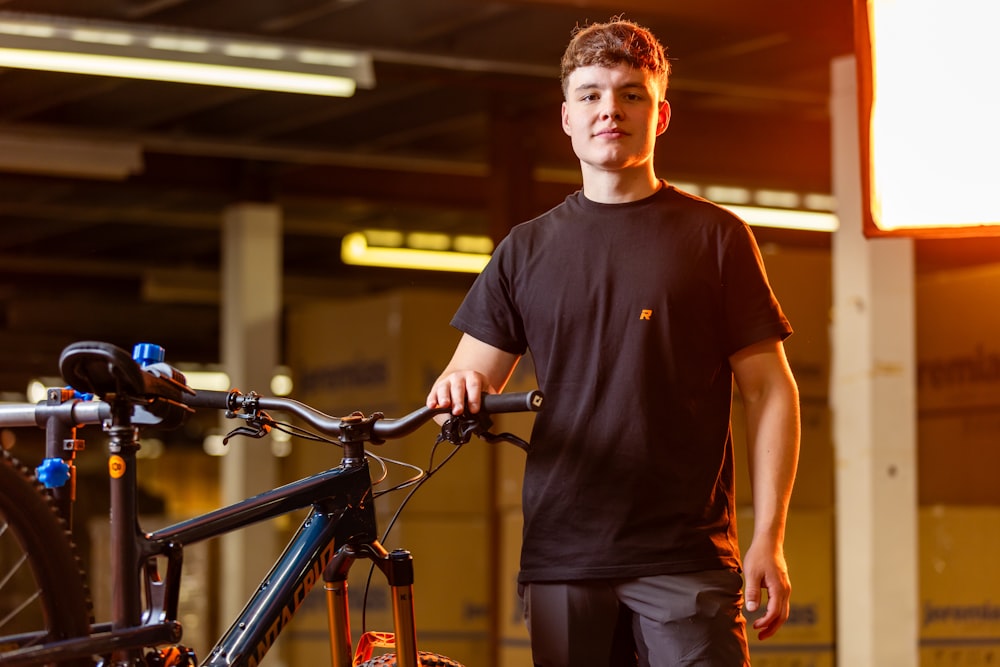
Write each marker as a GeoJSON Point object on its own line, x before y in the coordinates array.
{"type": "Point", "coordinates": [630, 312]}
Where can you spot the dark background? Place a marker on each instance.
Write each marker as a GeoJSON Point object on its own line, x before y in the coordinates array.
{"type": "Point", "coordinates": [460, 134]}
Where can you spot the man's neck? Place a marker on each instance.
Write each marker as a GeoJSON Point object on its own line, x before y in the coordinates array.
{"type": "Point", "coordinates": [618, 187]}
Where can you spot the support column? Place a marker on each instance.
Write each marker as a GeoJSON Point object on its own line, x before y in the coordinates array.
{"type": "Point", "coordinates": [873, 398]}
{"type": "Point", "coordinates": [251, 325]}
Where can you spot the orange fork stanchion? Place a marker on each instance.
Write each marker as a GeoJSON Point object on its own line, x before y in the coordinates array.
{"type": "Point", "coordinates": [398, 569]}
{"type": "Point", "coordinates": [400, 576]}
{"type": "Point", "coordinates": [339, 619]}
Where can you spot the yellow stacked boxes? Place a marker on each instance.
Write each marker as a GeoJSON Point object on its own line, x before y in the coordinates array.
{"type": "Point", "coordinates": [801, 279]}
{"type": "Point", "coordinates": [382, 354]}
{"type": "Point", "coordinates": [958, 386]}
{"type": "Point", "coordinates": [959, 590]}
{"type": "Point", "coordinates": [958, 391]}
{"type": "Point", "coordinates": [513, 648]}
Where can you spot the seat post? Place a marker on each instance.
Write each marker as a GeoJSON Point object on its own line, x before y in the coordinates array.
{"type": "Point", "coordinates": [122, 447]}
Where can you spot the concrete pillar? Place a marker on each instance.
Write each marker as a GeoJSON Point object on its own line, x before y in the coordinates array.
{"type": "Point", "coordinates": [873, 398]}
{"type": "Point", "coordinates": [251, 325]}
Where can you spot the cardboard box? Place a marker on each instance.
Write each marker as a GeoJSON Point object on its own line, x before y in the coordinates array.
{"type": "Point", "coordinates": [803, 283]}
{"type": "Point", "coordinates": [959, 591]}
{"type": "Point", "coordinates": [381, 354]}
{"type": "Point", "coordinates": [515, 647]}
{"type": "Point", "coordinates": [374, 353]}
{"type": "Point", "coordinates": [958, 340]}
{"type": "Point", "coordinates": [958, 386]}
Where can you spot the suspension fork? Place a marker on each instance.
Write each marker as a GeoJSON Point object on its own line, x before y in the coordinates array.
{"type": "Point", "coordinates": [397, 567]}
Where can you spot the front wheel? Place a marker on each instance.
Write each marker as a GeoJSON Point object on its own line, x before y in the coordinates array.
{"type": "Point", "coordinates": [426, 658]}
{"type": "Point", "coordinates": [43, 596]}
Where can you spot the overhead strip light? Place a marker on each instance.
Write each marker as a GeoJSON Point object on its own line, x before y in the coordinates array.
{"type": "Point", "coordinates": [781, 218]}
{"type": "Point", "coordinates": [427, 252]}
{"type": "Point", "coordinates": [781, 209]}
{"type": "Point", "coordinates": [77, 46]}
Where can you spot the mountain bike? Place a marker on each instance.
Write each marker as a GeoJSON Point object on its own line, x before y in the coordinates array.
{"type": "Point", "coordinates": [45, 611]}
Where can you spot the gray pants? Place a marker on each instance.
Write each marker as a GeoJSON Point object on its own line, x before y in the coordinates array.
{"type": "Point", "coordinates": [691, 619]}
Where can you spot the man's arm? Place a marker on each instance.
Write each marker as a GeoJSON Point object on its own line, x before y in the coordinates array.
{"type": "Point", "coordinates": [771, 400]}
{"type": "Point", "coordinates": [475, 367]}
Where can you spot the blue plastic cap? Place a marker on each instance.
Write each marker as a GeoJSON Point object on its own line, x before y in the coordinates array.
{"type": "Point", "coordinates": [53, 473]}
{"type": "Point", "coordinates": [148, 353]}
{"type": "Point", "coordinates": [82, 395]}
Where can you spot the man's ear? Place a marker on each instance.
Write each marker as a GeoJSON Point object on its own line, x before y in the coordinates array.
{"type": "Point", "coordinates": [663, 118]}
{"type": "Point", "coordinates": [565, 120]}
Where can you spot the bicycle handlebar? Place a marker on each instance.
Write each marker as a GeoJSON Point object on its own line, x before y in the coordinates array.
{"type": "Point", "coordinates": [379, 428]}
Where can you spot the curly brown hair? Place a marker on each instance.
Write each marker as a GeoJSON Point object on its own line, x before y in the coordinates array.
{"type": "Point", "coordinates": [617, 42]}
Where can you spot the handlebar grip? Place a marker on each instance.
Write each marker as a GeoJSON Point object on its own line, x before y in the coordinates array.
{"type": "Point", "coordinates": [208, 398]}
{"type": "Point", "coordinates": [526, 401]}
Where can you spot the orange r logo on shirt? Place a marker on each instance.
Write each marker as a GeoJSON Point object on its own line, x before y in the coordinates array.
{"type": "Point", "coordinates": [646, 314]}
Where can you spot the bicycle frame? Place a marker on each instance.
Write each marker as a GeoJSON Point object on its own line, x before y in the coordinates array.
{"type": "Point", "coordinates": [332, 536]}
{"type": "Point", "coordinates": [340, 528]}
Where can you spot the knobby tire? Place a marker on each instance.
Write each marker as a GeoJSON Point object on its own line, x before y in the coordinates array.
{"type": "Point", "coordinates": [42, 587]}
{"type": "Point", "coordinates": [427, 659]}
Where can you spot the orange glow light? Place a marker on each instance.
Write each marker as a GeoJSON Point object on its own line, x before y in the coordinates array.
{"type": "Point", "coordinates": [929, 96]}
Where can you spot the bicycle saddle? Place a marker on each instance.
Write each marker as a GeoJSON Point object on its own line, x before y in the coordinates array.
{"type": "Point", "coordinates": [101, 369]}
{"type": "Point", "coordinates": [111, 374]}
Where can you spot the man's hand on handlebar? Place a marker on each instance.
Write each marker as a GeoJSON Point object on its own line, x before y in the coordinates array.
{"type": "Point", "coordinates": [459, 390]}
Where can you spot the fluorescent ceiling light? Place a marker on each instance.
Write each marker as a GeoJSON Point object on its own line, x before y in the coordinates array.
{"type": "Point", "coordinates": [781, 218]}
{"type": "Point", "coordinates": [76, 46]}
{"type": "Point", "coordinates": [359, 248]}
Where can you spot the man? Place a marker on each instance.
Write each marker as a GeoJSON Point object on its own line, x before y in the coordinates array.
{"type": "Point", "coordinates": [639, 304]}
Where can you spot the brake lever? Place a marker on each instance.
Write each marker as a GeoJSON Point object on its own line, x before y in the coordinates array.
{"type": "Point", "coordinates": [505, 437]}
{"type": "Point", "coordinates": [258, 426]}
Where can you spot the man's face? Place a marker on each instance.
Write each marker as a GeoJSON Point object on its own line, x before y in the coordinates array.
{"type": "Point", "coordinates": [613, 116]}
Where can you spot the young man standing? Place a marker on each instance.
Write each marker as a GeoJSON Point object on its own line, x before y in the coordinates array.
{"type": "Point", "coordinates": [640, 304]}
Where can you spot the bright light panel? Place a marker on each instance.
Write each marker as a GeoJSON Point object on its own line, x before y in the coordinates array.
{"type": "Point", "coordinates": [929, 98]}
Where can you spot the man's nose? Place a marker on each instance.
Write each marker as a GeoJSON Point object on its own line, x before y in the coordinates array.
{"type": "Point", "coordinates": [611, 111]}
